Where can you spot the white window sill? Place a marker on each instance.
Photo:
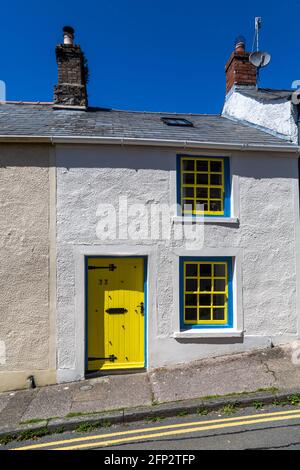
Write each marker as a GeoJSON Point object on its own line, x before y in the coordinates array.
{"type": "Point", "coordinates": [178, 219]}
{"type": "Point", "coordinates": [208, 333]}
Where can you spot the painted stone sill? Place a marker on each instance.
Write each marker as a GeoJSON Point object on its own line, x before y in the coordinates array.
{"type": "Point", "coordinates": [206, 220]}
{"type": "Point", "coordinates": [211, 333]}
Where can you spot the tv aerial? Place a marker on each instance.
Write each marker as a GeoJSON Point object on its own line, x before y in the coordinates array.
{"type": "Point", "coordinates": [258, 58]}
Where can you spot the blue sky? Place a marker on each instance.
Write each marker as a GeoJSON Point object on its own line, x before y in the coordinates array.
{"type": "Point", "coordinates": [152, 55]}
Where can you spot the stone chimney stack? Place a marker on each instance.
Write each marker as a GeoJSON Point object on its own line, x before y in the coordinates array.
{"type": "Point", "coordinates": [239, 71]}
{"type": "Point", "coordinates": [70, 92]}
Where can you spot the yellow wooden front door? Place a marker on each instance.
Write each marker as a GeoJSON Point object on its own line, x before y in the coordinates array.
{"type": "Point", "coordinates": [115, 323]}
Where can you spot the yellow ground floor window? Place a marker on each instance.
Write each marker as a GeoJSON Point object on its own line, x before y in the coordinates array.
{"type": "Point", "coordinates": [206, 292]}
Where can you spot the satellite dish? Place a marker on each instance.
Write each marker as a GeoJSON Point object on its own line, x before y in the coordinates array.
{"type": "Point", "coordinates": [259, 59]}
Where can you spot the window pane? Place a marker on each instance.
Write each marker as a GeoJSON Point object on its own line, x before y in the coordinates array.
{"type": "Point", "coordinates": [204, 299]}
{"type": "Point", "coordinates": [219, 285]}
{"type": "Point", "coordinates": [204, 314]}
{"type": "Point", "coordinates": [188, 165]}
{"type": "Point", "coordinates": [215, 206]}
{"type": "Point", "coordinates": [216, 166]}
{"type": "Point", "coordinates": [202, 179]}
{"type": "Point", "coordinates": [191, 285]}
{"type": "Point", "coordinates": [205, 285]}
{"type": "Point", "coordinates": [191, 314]}
{"type": "Point", "coordinates": [216, 193]}
{"type": "Point", "coordinates": [191, 270]}
{"type": "Point", "coordinates": [191, 299]}
{"type": "Point", "coordinates": [218, 314]}
{"type": "Point", "coordinates": [205, 270]}
{"type": "Point", "coordinates": [188, 178]}
{"type": "Point", "coordinates": [218, 299]}
{"type": "Point", "coordinates": [188, 192]}
{"type": "Point", "coordinates": [202, 193]}
{"type": "Point", "coordinates": [216, 179]}
{"type": "Point", "coordinates": [219, 270]}
{"type": "Point", "coordinates": [202, 165]}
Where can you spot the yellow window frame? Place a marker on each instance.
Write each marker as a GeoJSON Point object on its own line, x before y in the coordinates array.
{"type": "Point", "coordinates": [211, 292]}
{"type": "Point", "coordinates": [195, 200]}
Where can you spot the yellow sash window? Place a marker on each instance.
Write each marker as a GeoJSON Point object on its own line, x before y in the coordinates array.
{"type": "Point", "coordinates": [202, 188]}
{"type": "Point", "coordinates": [205, 293]}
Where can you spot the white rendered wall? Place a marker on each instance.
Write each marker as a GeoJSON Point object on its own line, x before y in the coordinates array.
{"type": "Point", "coordinates": [275, 116]}
{"type": "Point", "coordinates": [265, 239]}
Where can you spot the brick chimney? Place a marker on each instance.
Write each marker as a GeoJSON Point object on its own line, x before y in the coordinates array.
{"type": "Point", "coordinates": [70, 92]}
{"type": "Point", "coordinates": [239, 71]}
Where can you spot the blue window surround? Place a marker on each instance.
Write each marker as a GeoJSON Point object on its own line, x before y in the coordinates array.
{"type": "Point", "coordinates": [227, 185]}
{"type": "Point", "coordinates": [228, 260]}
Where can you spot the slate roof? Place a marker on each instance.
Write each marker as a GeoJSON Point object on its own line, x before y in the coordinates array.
{"type": "Point", "coordinates": [35, 119]}
{"type": "Point", "coordinates": [267, 94]}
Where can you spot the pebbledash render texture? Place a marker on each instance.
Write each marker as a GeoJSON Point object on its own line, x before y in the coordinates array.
{"type": "Point", "coordinates": [73, 301]}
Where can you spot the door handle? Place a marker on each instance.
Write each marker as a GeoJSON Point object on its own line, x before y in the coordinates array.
{"type": "Point", "coordinates": [116, 310]}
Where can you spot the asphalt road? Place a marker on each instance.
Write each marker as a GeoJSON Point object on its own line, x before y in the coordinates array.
{"type": "Point", "coordinates": [266, 428]}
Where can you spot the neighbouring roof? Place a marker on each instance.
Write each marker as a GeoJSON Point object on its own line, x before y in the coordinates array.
{"type": "Point", "coordinates": [267, 94]}
{"type": "Point", "coordinates": [40, 119]}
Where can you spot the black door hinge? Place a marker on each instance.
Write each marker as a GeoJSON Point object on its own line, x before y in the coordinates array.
{"type": "Point", "coordinates": [110, 267]}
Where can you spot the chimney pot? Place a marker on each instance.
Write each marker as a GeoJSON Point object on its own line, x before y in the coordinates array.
{"type": "Point", "coordinates": [68, 35]}
{"type": "Point", "coordinates": [240, 44]}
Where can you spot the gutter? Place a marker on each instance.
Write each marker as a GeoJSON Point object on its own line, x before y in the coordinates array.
{"type": "Point", "coordinates": [56, 139]}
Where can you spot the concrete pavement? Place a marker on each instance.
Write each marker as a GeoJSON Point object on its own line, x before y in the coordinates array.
{"type": "Point", "coordinates": [123, 397]}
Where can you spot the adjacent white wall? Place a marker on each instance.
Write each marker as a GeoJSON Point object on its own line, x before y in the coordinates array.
{"type": "Point", "coordinates": [265, 241]}
{"type": "Point", "coordinates": [275, 116]}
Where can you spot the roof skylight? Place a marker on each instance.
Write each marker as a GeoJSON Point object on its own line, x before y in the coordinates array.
{"type": "Point", "coordinates": [174, 121]}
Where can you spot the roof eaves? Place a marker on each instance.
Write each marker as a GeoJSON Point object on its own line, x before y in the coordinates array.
{"type": "Point", "coordinates": [61, 139]}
